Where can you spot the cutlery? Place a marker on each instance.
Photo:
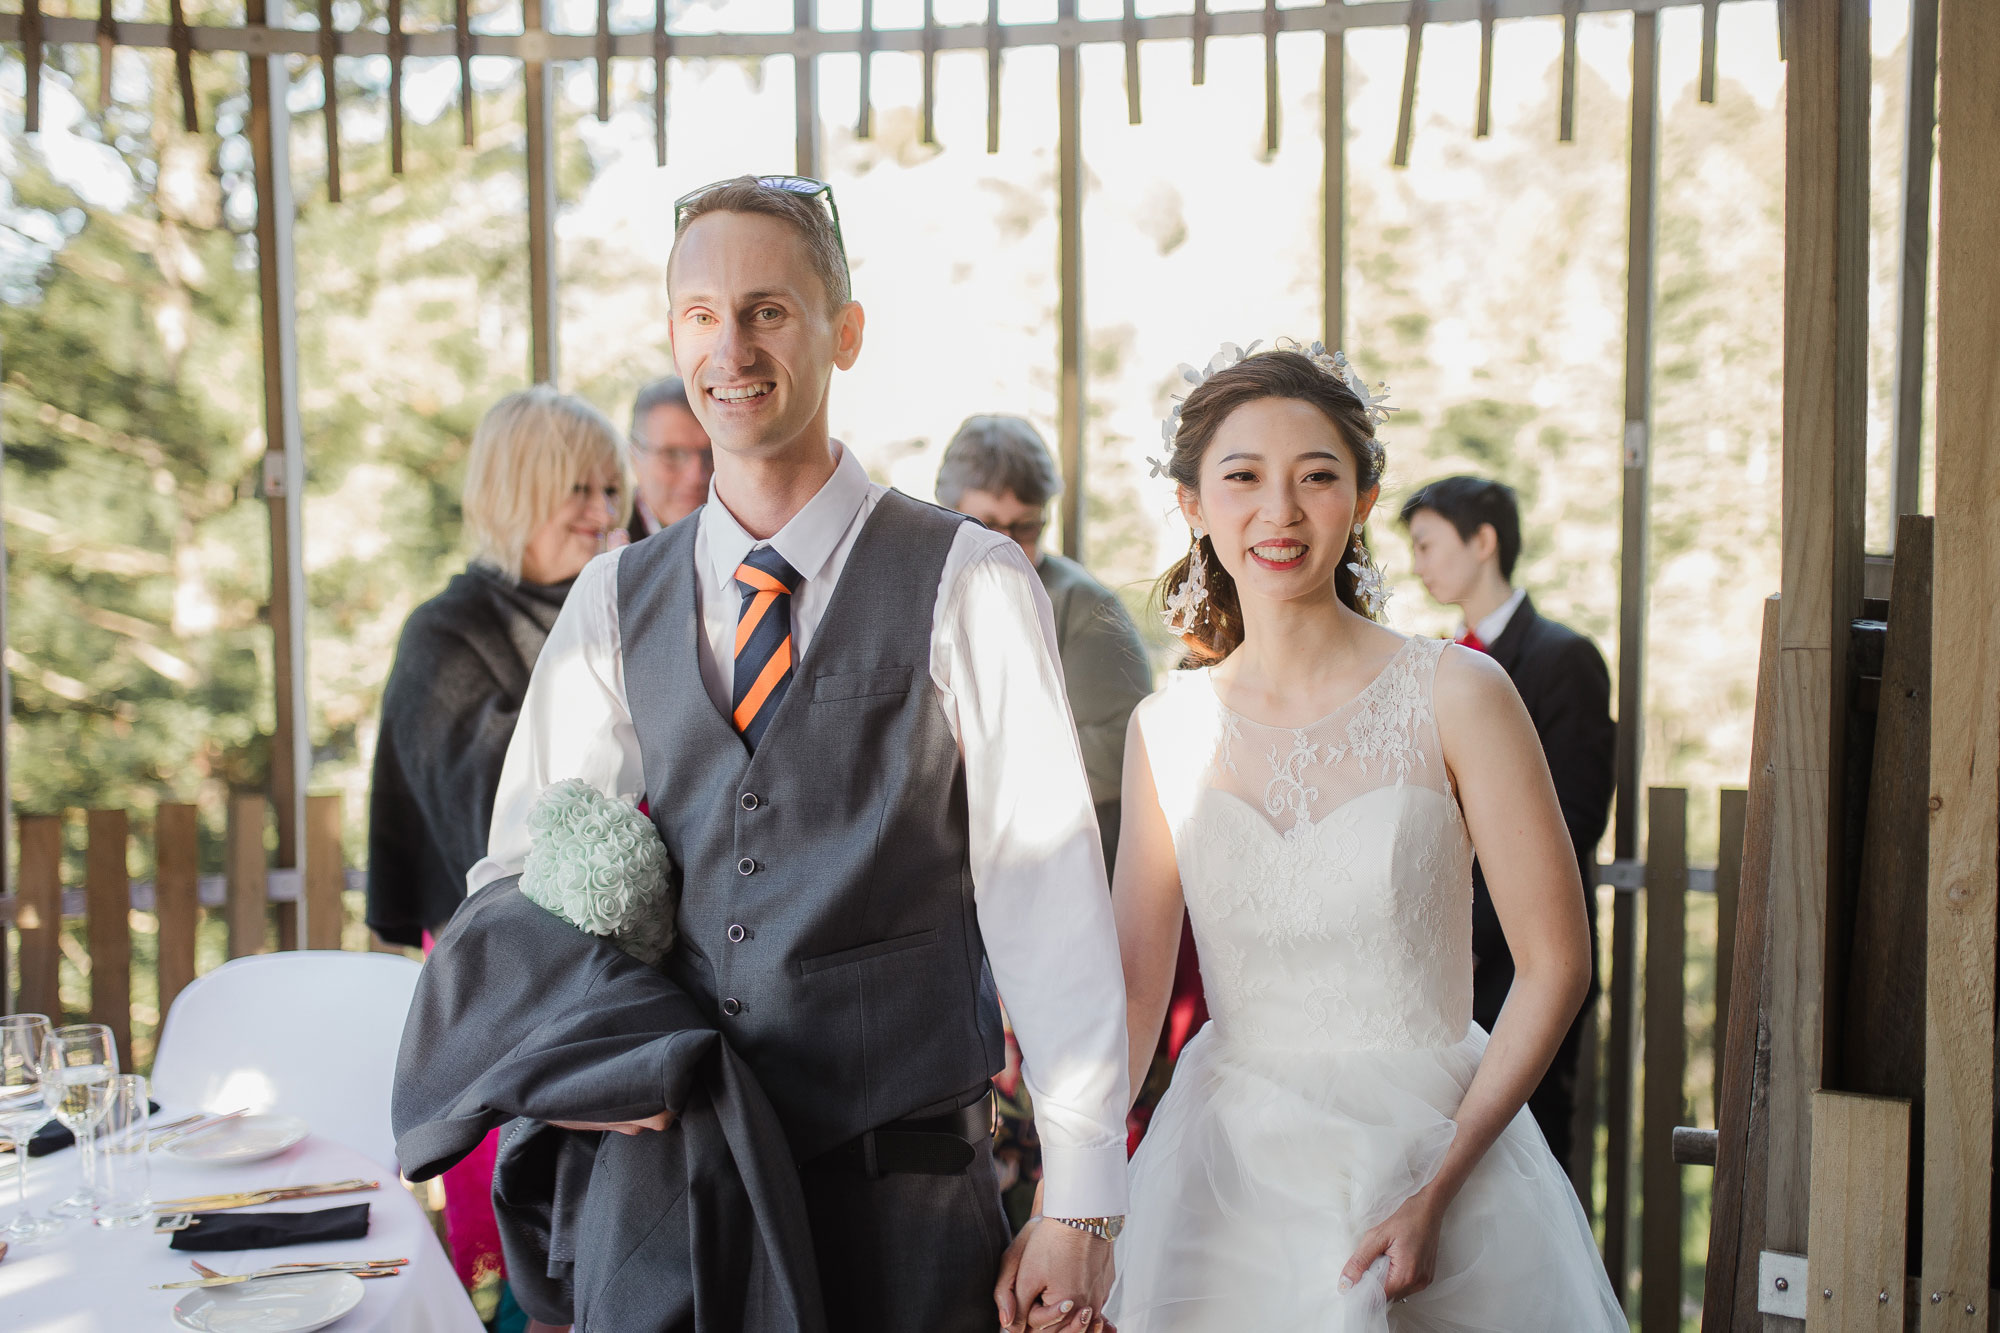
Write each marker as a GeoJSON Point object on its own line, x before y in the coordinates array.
{"type": "Point", "coordinates": [216, 1203]}
{"type": "Point", "coordinates": [305, 1266]}
{"type": "Point", "coordinates": [196, 1131]}
{"type": "Point", "coordinates": [360, 1268]}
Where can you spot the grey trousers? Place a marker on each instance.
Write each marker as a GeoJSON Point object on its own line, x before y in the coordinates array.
{"type": "Point", "coordinates": [908, 1253]}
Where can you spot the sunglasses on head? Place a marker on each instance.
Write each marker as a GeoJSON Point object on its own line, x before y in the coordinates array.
{"type": "Point", "coordinates": [816, 190]}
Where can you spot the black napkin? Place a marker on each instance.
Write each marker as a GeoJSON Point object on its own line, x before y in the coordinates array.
{"type": "Point", "coordinates": [264, 1231]}
{"type": "Point", "coordinates": [53, 1137]}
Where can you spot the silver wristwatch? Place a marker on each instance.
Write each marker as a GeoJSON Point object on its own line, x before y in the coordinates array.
{"type": "Point", "coordinates": [1104, 1228]}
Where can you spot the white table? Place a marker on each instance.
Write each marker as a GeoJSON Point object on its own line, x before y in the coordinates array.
{"type": "Point", "coordinates": [86, 1279]}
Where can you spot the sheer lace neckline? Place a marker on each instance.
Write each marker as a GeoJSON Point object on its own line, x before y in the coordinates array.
{"type": "Point", "coordinates": [1361, 696]}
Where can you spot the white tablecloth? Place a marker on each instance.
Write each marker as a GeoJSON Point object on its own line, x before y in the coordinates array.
{"type": "Point", "coordinates": [85, 1279]}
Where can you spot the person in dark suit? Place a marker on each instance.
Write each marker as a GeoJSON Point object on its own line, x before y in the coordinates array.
{"type": "Point", "coordinates": [1465, 535]}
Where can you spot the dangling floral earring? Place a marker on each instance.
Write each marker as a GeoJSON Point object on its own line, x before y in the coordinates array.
{"type": "Point", "coordinates": [1183, 610]}
{"type": "Point", "coordinates": [1371, 590]}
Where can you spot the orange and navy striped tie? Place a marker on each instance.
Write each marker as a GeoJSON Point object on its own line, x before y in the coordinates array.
{"type": "Point", "coordinates": [763, 641]}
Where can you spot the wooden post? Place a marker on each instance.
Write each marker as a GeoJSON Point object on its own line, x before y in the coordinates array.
{"type": "Point", "coordinates": [1566, 112]}
{"type": "Point", "coordinates": [1619, 1113]}
{"type": "Point", "coordinates": [1333, 189]}
{"type": "Point", "coordinates": [1860, 1214]}
{"type": "Point", "coordinates": [284, 457]}
{"type": "Point", "coordinates": [176, 897]}
{"type": "Point", "coordinates": [107, 890]}
{"type": "Point", "coordinates": [1069, 279]}
{"type": "Point", "coordinates": [543, 314]}
{"type": "Point", "coordinates": [1666, 1057]}
{"type": "Point", "coordinates": [1728, 879]}
{"type": "Point", "coordinates": [1965, 708]}
{"type": "Point", "coordinates": [1913, 275]}
{"type": "Point", "coordinates": [1825, 420]}
{"type": "Point", "coordinates": [38, 916]}
{"type": "Point", "coordinates": [247, 869]}
{"type": "Point", "coordinates": [326, 873]}
{"type": "Point", "coordinates": [1406, 113]}
{"type": "Point", "coordinates": [805, 94]}
{"type": "Point", "coordinates": [329, 60]}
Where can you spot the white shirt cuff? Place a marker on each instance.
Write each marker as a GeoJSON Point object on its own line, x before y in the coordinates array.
{"type": "Point", "coordinates": [1083, 1182]}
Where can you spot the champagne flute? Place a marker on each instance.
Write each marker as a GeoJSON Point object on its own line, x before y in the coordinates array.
{"type": "Point", "coordinates": [22, 1111]}
{"type": "Point", "coordinates": [77, 1066]}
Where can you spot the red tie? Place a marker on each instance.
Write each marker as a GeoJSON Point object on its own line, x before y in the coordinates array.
{"type": "Point", "coordinates": [1472, 641]}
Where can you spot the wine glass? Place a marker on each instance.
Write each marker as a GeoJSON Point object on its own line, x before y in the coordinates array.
{"type": "Point", "coordinates": [22, 1111]}
{"type": "Point", "coordinates": [77, 1065]}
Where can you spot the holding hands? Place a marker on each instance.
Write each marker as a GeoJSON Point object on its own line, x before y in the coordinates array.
{"type": "Point", "coordinates": [1053, 1279]}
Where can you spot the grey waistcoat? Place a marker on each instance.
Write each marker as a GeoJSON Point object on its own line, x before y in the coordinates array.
{"type": "Point", "coordinates": [826, 919]}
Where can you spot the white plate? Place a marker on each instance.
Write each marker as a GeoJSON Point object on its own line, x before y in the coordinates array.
{"type": "Point", "coordinates": [251, 1139]}
{"type": "Point", "coordinates": [271, 1304]}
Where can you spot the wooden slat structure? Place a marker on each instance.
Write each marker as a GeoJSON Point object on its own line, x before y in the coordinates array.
{"type": "Point", "coordinates": [1861, 1167]}
{"type": "Point", "coordinates": [1965, 703]}
{"type": "Point", "coordinates": [108, 893]}
{"type": "Point", "coordinates": [177, 862]}
{"type": "Point", "coordinates": [1666, 1058]}
{"type": "Point", "coordinates": [326, 876]}
{"type": "Point", "coordinates": [247, 906]}
{"type": "Point", "coordinates": [38, 913]}
{"type": "Point", "coordinates": [544, 315]}
{"type": "Point", "coordinates": [1913, 276]}
{"type": "Point", "coordinates": [1071, 404]}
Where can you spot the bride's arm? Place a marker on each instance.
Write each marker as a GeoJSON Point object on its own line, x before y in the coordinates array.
{"type": "Point", "coordinates": [1146, 900]}
{"type": "Point", "coordinates": [1524, 849]}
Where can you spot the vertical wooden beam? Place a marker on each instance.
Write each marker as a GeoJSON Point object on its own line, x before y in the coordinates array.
{"type": "Point", "coordinates": [663, 50]}
{"type": "Point", "coordinates": [1913, 275]}
{"type": "Point", "coordinates": [1619, 1113]}
{"type": "Point", "coordinates": [1825, 419]}
{"type": "Point", "coordinates": [1566, 113]}
{"type": "Point", "coordinates": [928, 56]}
{"type": "Point", "coordinates": [38, 915]}
{"type": "Point", "coordinates": [284, 457]}
{"type": "Point", "coordinates": [1666, 1057]}
{"type": "Point", "coordinates": [1860, 1214]}
{"type": "Point", "coordinates": [107, 889]}
{"type": "Point", "coordinates": [461, 41]}
{"type": "Point", "coordinates": [1198, 34]}
{"type": "Point", "coordinates": [1965, 707]}
{"type": "Point", "coordinates": [1484, 123]}
{"type": "Point", "coordinates": [992, 76]}
{"type": "Point", "coordinates": [247, 872]}
{"type": "Point", "coordinates": [329, 57]}
{"type": "Point", "coordinates": [1333, 190]}
{"type": "Point", "coordinates": [864, 115]}
{"type": "Point", "coordinates": [1131, 32]}
{"type": "Point", "coordinates": [176, 896]}
{"type": "Point", "coordinates": [1271, 76]}
{"type": "Point", "coordinates": [1728, 882]}
{"type": "Point", "coordinates": [180, 37]}
{"type": "Point", "coordinates": [543, 314]}
{"type": "Point", "coordinates": [603, 60]}
{"type": "Point", "coordinates": [107, 45]}
{"type": "Point", "coordinates": [326, 873]}
{"type": "Point", "coordinates": [1710, 15]}
{"type": "Point", "coordinates": [1406, 115]}
{"type": "Point", "coordinates": [31, 63]}
{"type": "Point", "coordinates": [805, 94]}
{"type": "Point", "coordinates": [395, 18]}
{"type": "Point", "coordinates": [1069, 269]}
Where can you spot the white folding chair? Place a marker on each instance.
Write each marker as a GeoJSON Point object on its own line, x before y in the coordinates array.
{"type": "Point", "coordinates": [312, 1034]}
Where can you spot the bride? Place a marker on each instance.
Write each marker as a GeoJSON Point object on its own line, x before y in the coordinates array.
{"type": "Point", "coordinates": [1342, 1148]}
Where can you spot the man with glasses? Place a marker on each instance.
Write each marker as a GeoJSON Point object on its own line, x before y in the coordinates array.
{"type": "Point", "coordinates": [844, 709]}
{"type": "Point", "coordinates": [671, 458]}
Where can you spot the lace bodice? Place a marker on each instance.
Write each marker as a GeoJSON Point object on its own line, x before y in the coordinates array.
{"type": "Point", "coordinates": [1326, 868]}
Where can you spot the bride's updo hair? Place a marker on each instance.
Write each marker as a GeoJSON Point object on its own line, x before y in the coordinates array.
{"type": "Point", "coordinates": [1217, 628]}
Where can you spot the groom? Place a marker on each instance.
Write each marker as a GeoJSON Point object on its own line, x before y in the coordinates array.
{"type": "Point", "coordinates": [844, 710]}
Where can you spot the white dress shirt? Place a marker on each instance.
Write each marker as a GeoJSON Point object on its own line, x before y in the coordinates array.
{"type": "Point", "coordinates": [1037, 863]}
{"type": "Point", "coordinates": [1494, 623]}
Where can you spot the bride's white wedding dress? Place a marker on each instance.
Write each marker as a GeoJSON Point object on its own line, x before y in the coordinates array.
{"type": "Point", "coordinates": [1328, 873]}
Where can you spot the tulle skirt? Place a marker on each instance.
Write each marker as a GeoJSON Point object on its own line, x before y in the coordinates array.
{"type": "Point", "coordinates": [1263, 1169]}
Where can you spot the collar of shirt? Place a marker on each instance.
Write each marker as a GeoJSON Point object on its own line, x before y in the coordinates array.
{"type": "Point", "coordinates": [806, 542]}
{"type": "Point", "coordinates": [1492, 625]}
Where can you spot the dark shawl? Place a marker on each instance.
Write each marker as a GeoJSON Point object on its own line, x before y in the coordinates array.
{"type": "Point", "coordinates": [454, 694]}
{"type": "Point", "coordinates": [520, 1018]}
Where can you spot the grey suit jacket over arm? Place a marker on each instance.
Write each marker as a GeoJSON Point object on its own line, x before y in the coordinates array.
{"type": "Point", "coordinates": [520, 1019]}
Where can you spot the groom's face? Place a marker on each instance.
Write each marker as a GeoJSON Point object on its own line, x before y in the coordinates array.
{"type": "Point", "coordinates": [754, 333]}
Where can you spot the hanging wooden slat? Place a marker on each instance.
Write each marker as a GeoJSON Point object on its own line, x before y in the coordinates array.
{"type": "Point", "coordinates": [1271, 76]}
{"type": "Point", "coordinates": [1860, 1214]}
{"type": "Point", "coordinates": [107, 42]}
{"type": "Point", "coordinates": [329, 52]}
{"type": "Point", "coordinates": [1198, 32]}
{"type": "Point", "coordinates": [1484, 126]}
{"type": "Point", "coordinates": [864, 115]}
{"type": "Point", "coordinates": [1728, 881]}
{"type": "Point", "coordinates": [663, 50]}
{"type": "Point", "coordinates": [107, 895]}
{"type": "Point", "coordinates": [805, 92]}
{"type": "Point", "coordinates": [1913, 279]}
{"type": "Point", "coordinates": [38, 915]}
{"type": "Point", "coordinates": [992, 76]}
{"type": "Point", "coordinates": [1413, 50]}
{"type": "Point", "coordinates": [1071, 402]}
{"type": "Point", "coordinates": [1333, 189]}
{"type": "Point", "coordinates": [1566, 114]}
{"type": "Point", "coordinates": [603, 61]}
{"type": "Point", "coordinates": [1131, 62]}
{"type": "Point", "coordinates": [1666, 1058]}
{"type": "Point", "coordinates": [461, 39]}
{"type": "Point", "coordinates": [930, 48]}
{"type": "Point", "coordinates": [246, 873]}
{"type": "Point", "coordinates": [1620, 1038]}
{"type": "Point", "coordinates": [176, 900]}
{"type": "Point", "coordinates": [326, 874]}
{"type": "Point", "coordinates": [1710, 10]}
{"type": "Point", "coordinates": [395, 87]}
{"type": "Point", "coordinates": [539, 99]}
{"type": "Point", "coordinates": [31, 59]}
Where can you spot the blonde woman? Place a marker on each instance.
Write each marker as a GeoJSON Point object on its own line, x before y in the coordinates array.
{"type": "Point", "coordinates": [545, 490]}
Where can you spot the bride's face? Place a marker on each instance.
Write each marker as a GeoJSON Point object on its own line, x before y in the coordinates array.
{"type": "Point", "coordinates": [1279, 496]}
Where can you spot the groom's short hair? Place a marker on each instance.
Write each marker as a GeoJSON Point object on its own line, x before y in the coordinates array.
{"type": "Point", "coordinates": [807, 216]}
{"type": "Point", "coordinates": [1468, 504]}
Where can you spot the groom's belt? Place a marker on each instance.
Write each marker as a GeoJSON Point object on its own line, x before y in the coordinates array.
{"type": "Point", "coordinates": [937, 1145]}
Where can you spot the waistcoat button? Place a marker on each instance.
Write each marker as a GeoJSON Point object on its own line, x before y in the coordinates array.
{"type": "Point", "coordinates": [736, 934]}
{"type": "Point", "coordinates": [750, 801]}
{"type": "Point", "coordinates": [732, 1007]}
{"type": "Point", "coordinates": [746, 867]}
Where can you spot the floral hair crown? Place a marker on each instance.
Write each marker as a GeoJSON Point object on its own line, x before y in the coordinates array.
{"type": "Point", "coordinates": [1332, 363]}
